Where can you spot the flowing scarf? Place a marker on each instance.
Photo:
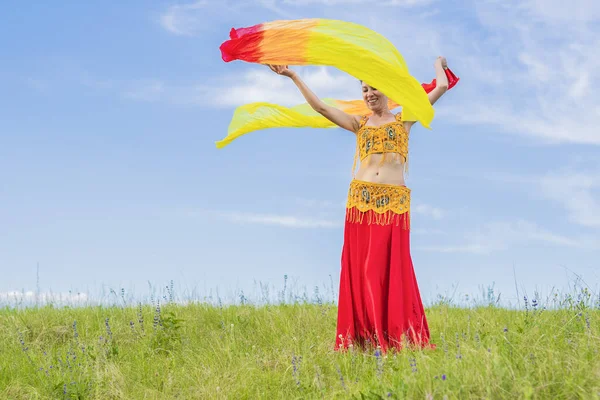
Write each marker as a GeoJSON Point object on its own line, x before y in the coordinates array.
{"type": "Point", "coordinates": [353, 48]}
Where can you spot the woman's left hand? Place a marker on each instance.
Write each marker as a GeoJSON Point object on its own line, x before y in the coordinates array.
{"type": "Point", "coordinates": [441, 61]}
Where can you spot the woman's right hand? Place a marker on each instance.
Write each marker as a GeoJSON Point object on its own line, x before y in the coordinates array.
{"type": "Point", "coordinates": [282, 70]}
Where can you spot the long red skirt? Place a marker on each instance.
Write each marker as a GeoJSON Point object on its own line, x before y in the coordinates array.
{"type": "Point", "coordinates": [379, 300]}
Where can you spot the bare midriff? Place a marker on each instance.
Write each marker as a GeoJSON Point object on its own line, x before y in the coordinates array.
{"type": "Point", "coordinates": [385, 168]}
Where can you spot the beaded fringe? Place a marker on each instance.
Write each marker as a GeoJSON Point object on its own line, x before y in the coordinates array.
{"type": "Point", "coordinates": [356, 216]}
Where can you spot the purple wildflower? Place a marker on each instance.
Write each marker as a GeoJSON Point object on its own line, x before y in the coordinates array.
{"type": "Point", "coordinates": [413, 364]}
{"type": "Point", "coordinates": [444, 377]}
{"type": "Point", "coordinates": [157, 318]}
{"type": "Point", "coordinates": [341, 376]}
{"type": "Point", "coordinates": [587, 320]}
{"type": "Point", "coordinates": [379, 362]}
{"type": "Point", "coordinates": [296, 364]}
{"type": "Point", "coordinates": [108, 330]}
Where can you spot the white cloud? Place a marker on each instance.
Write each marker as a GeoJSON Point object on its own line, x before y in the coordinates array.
{"type": "Point", "coordinates": [256, 84]}
{"type": "Point", "coordinates": [39, 85]}
{"type": "Point", "coordinates": [264, 85]}
{"type": "Point", "coordinates": [430, 211]}
{"type": "Point", "coordinates": [194, 18]}
{"type": "Point", "coordinates": [575, 192]}
{"type": "Point", "coordinates": [530, 70]}
{"type": "Point", "coordinates": [288, 221]}
{"type": "Point", "coordinates": [401, 3]}
{"type": "Point", "coordinates": [543, 67]}
{"type": "Point", "coordinates": [324, 214]}
{"type": "Point", "coordinates": [320, 204]}
{"type": "Point", "coordinates": [31, 297]}
{"type": "Point", "coordinates": [500, 236]}
{"type": "Point", "coordinates": [184, 19]}
{"type": "Point", "coordinates": [152, 90]}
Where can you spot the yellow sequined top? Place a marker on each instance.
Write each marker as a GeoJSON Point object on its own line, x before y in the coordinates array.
{"type": "Point", "coordinates": [390, 137]}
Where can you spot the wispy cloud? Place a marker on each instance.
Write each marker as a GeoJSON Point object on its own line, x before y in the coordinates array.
{"type": "Point", "coordinates": [320, 204]}
{"type": "Point", "coordinates": [545, 95]}
{"type": "Point", "coordinates": [311, 213]}
{"type": "Point", "coordinates": [40, 85]}
{"type": "Point", "coordinates": [400, 3]}
{"type": "Point", "coordinates": [500, 236]}
{"type": "Point", "coordinates": [287, 221]}
{"type": "Point", "coordinates": [265, 85]}
{"type": "Point", "coordinates": [180, 19]}
{"type": "Point", "coordinates": [196, 17]}
{"type": "Point", "coordinates": [429, 211]}
{"type": "Point", "coordinates": [510, 81]}
{"type": "Point", "coordinates": [577, 192]}
{"type": "Point", "coordinates": [147, 91]}
{"type": "Point", "coordinates": [256, 84]}
{"type": "Point", "coordinates": [31, 297]}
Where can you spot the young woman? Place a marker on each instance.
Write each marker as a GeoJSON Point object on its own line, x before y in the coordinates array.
{"type": "Point", "coordinates": [379, 300]}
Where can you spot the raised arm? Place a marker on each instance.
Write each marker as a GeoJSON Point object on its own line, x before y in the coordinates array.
{"type": "Point", "coordinates": [337, 116]}
{"type": "Point", "coordinates": [441, 86]}
{"type": "Point", "coordinates": [441, 80]}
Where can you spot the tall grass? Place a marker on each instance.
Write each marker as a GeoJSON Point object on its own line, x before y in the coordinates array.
{"type": "Point", "coordinates": [171, 349]}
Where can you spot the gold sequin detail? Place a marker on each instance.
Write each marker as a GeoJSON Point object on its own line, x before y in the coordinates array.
{"type": "Point", "coordinates": [390, 137]}
{"type": "Point", "coordinates": [382, 204]}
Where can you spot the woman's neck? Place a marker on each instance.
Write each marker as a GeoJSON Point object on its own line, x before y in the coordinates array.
{"type": "Point", "coordinates": [381, 113]}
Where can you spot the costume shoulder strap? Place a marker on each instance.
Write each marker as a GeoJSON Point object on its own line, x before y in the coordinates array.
{"type": "Point", "coordinates": [399, 116]}
{"type": "Point", "coordinates": [363, 121]}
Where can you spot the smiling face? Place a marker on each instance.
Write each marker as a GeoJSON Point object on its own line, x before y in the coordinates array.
{"type": "Point", "coordinates": [374, 99]}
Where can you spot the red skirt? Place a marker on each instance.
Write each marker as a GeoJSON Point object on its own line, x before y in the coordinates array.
{"type": "Point", "coordinates": [379, 301]}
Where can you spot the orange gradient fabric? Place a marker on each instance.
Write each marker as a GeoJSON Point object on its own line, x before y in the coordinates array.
{"type": "Point", "coordinates": [352, 48]}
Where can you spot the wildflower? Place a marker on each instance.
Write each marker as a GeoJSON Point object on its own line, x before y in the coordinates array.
{"type": "Point", "coordinates": [157, 319]}
{"type": "Point", "coordinates": [413, 364]}
{"type": "Point", "coordinates": [295, 371]}
{"type": "Point", "coordinates": [75, 333]}
{"type": "Point", "coordinates": [505, 329]}
{"type": "Point", "coordinates": [108, 331]}
{"type": "Point", "coordinates": [587, 320]}
{"type": "Point", "coordinates": [379, 362]}
{"type": "Point", "coordinates": [341, 376]}
{"type": "Point", "coordinates": [444, 377]}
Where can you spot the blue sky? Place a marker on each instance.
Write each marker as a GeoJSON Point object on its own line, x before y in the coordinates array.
{"type": "Point", "coordinates": [109, 176]}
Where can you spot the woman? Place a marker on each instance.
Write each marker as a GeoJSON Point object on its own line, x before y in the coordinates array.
{"type": "Point", "coordinates": [379, 301]}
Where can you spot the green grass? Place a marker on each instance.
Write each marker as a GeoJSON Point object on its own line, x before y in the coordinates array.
{"type": "Point", "coordinates": [198, 351]}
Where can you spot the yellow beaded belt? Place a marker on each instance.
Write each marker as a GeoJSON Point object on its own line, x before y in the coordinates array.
{"type": "Point", "coordinates": [381, 203]}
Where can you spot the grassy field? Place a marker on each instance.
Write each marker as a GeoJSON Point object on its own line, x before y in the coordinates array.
{"type": "Point", "coordinates": [549, 349]}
